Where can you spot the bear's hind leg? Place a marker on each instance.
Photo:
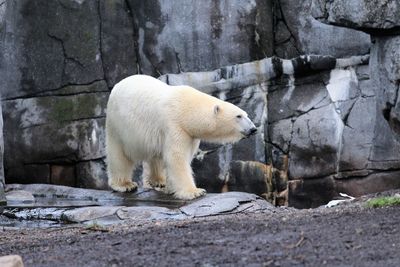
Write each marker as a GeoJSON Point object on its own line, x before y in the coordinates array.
{"type": "Point", "coordinates": [119, 168]}
{"type": "Point", "coordinates": [154, 173]}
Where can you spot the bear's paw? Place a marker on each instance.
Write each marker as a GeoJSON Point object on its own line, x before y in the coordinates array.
{"type": "Point", "coordinates": [190, 194]}
{"type": "Point", "coordinates": [125, 186]}
{"type": "Point", "coordinates": [154, 183]}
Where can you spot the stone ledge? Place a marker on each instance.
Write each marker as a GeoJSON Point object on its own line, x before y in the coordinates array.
{"type": "Point", "coordinates": [90, 206]}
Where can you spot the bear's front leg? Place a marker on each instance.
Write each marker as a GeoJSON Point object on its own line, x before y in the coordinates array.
{"type": "Point", "coordinates": [178, 155]}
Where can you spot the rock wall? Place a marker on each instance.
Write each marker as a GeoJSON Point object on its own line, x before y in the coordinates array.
{"type": "Point", "coordinates": [378, 152]}
{"type": "Point", "coordinates": [327, 123]}
{"type": "Point", "coordinates": [2, 181]}
{"type": "Point", "coordinates": [180, 36]}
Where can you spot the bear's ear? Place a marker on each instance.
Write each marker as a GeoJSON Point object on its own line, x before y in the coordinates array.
{"type": "Point", "coordinates": [216, 109]}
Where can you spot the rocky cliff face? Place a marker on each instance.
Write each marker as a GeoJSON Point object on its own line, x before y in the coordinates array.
{"type": "Point", "coordinates": [328, 123]}
{"type": "Point", "coordinates": [382, 21]}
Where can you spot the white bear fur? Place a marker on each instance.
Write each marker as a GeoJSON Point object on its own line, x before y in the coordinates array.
{"type": "Point", "coordinates": [161, 125]}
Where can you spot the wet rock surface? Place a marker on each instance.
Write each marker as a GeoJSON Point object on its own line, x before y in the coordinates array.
{"type": "Point", "coordinates": [357, 235]}
{"type": "Point", "coordinates": [61, 204]}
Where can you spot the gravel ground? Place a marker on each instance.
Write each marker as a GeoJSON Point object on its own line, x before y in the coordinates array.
{"type": "Point", "coordinates": [347, 235]}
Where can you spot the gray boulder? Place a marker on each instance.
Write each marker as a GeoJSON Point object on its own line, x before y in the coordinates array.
{"type": "Point", "coordinates": [299, 33]}
{"type": "Point", "coordinates": [375, 17]}
{"type": "Point", "coordinates": [315, 143]}
{"type": "Point", "coordinates": [385, 59]}
{"type": "Point", "coordinates": [382, 20]}
{"type": "Point", "coordinates": [231, 202]}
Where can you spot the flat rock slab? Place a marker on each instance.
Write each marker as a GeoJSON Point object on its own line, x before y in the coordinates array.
{"type": "Point", "coordinates": [57, 195]}
{"type": "Point", "coordinates": [215, 204]}
{"type": "Point", "coordinates": [53, 214]}
{"type": "Point", "coordinates": [19, 196]}
{"type": "Point", "coordinates": [88, 213]}
{"type": "Point", "coordinates": [146, 213]}
{"type": "Point", "coordinates": [105, 207]}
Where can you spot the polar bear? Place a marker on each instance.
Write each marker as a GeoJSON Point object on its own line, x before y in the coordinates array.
{"type": "Point", "coordinates": [161, 125]}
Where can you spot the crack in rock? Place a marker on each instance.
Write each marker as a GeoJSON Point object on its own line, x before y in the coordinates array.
{"type": "Point", "coordinates": [101, 42]}
{"type": "Point", "coordinates": [66, 57]}
{"type": "Point", "coordinates": [135, 35]}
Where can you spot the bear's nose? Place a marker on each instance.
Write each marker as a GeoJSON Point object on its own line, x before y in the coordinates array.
{"type": "Point", "coordinates": [253, 131]}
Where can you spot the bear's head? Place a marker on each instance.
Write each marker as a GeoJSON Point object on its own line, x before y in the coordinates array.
{"type": "Point", "coordinates": [210, 119]}
{"type": "Point", "coordinates": [232, 123]}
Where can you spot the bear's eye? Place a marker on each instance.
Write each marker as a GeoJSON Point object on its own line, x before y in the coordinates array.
{"type": "Point", "coordinates": [239, 116]}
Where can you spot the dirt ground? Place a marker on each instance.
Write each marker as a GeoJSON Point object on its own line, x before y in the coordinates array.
{"type": "Point", "coordinates": [347, 235]}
